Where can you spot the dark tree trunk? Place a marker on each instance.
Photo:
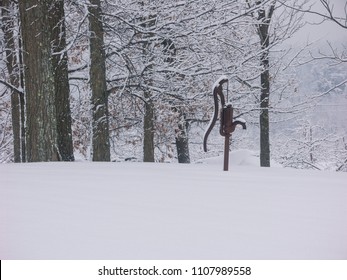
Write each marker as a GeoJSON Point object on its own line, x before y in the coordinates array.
{"type": "Point", "coordinates": [182, 143]}
{"type": "Point", "coordinates": [181, 135]}
{"type": "Point", "coordinates": [264, 115]}
{"type": "Point", "coordinates": [16, 125]}
{"type": "Point", "coordinates": [100, 141]}
{"type": "Point", "coordinates": [263, 32]}
{"type": "Point", "coordinates": [149, 112]}
{"type": "Point", "coordinates": [148, 130]}
{"type": "Point", "coordinates": [13, 71]}
{"type": "Point", "coordinates": [39, 81]}
{"type": "Point", "coordinates": [60, 66]}
{"type": "Point", "coordinates": [22, 98]}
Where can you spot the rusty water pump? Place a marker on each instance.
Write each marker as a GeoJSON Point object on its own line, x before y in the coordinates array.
{"type": "Point", "coordinates": [227, 125]}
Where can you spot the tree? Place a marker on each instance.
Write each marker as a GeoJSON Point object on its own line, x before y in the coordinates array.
{"type": "Point", "coordinates": [264, 17]}
{"type": "Point", "coordinates": [181, 133]}
{"type": "Point", "coordinates": [328, 85]}
{"type": "Point", "coordinates": [263, 20]}
{"type": "Point", "coordinates": [41, 120]}
{"type": "Point", "coordinates": [327, 13]}
{"type": "Point", "coordinates": [148, 23]}
{"type": "Point", "coordinates": [161, 59]}
{"type": "Point", "coordinates": [181, 138]}
{"type": "Point", "coordinates": [61, 81]}
{"type": "Point", "coordinates": [274, 23]}
{"type": "Point", "coordinates": [341, 21]}
{"type": "Point", "coordinates": [8, 25]}
{"type": "Point", "coordinates": [101, 141]}
{"type": "Point", "coordinates": [176, 76]}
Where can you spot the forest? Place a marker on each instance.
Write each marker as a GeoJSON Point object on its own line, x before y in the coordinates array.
{"type": "Point", "coordinates": [123, 80]}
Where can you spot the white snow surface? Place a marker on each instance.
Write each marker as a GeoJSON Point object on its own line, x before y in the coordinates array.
{"type": "Point", "coordinates": [90, 210]}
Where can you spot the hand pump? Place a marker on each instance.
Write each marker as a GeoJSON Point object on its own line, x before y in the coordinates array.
{"type": "Point", "coordinates": [227, 125]}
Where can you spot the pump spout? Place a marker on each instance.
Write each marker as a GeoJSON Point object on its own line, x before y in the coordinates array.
{"type": "Point", "coordinates": [240, 122]}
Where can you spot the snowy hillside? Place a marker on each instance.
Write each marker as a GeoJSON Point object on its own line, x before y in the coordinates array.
{"type": "Point", "coordinates": [87, 210]}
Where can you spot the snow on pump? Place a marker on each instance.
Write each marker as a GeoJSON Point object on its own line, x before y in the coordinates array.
{"type": "Point", "coordinates": [227, 124]}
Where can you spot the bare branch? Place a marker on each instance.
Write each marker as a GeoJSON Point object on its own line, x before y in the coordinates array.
{"type": "Point", "coordinates": [13, 88]}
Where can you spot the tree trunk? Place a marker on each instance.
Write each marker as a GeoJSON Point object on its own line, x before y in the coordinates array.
{"type": "Point", "coordinates": [60, 66]}
{"type": "Point", "coordinates": [264, 114]}
{"type": "Point", "coordinates": [148, 129]}
{"type": "Point", "coordinates": [15, 111]}
{"type": "Point", "coordinates": [263, 32]}
{"type": "Point", "coordinates": [13, 72]}
{"type": "Point", "coordinates": [39, 81]}
{"type": "Point", "coordinates": [100, 141]}
{"type": "Point", "coordinates": [149, 112]}
{"type": "Point", "coordinates": [182, 143]}
{"type": "Point", "coordinates": [22, 97]}
{"type": "Point", "coordinates": [181, 135]}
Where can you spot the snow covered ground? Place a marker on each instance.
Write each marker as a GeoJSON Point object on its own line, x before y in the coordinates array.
{"type": "Point", "coordinates": [86, 210]}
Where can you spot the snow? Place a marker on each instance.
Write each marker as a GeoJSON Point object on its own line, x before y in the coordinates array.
{"type": "Point", "coordinates": [236, 158]}
{"type": "Point", "coordinates": [240, 120]}
{"type": "Point", "coordinates": [217, 82]}
{"type": "Point", "coordinates": [98, 210]}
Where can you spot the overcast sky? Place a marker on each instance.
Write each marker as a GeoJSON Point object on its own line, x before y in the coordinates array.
{"type": "Point", "coordinates": [326, 30]}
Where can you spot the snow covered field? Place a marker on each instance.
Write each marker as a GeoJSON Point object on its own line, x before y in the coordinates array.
{"type": "Point", "coordinates": [86, 210]}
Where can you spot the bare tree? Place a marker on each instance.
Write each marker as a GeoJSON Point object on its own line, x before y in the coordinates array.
{"type": "Point", "coordinates": [8, 26]}
{"type": "Point", "coordinates": [61, 80]}
{"type": "Point", "coordinates": [40, 91]}
{"type": "Point", "coordinates": [264, 17]}
{"type": "Point", "coordinates": [263, 20]}
{"type": "Point", "coordinates": [101, 141]}
{"type": "Point", "coordinates": [148, 23]}
{"type": "Point", "coordinates": [274, 23]}
{"type": "Point", "coordinates": [328, 12]}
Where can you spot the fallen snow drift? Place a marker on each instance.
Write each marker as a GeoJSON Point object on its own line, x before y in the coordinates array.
{"type": "Point", "coordinates": [170, 211]}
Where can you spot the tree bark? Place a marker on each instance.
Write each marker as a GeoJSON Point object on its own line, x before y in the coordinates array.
{"type": "Point", "coordinates": [13, 72]}
{"type": "Point", "coordinates": [148, 129]}
{"type": "Point", "coordinates": [181, 137]}
{"type": "Point", "coordinates": [61, 80]}
{"type": "Point", "coordinates": [22, 98]}
{"type": "Point", "coordinates": [263, 32]}
{"type": "Point", "coordinates": [41, 120]}
{"type": "Point", "coordinates": [100, 141]}
{"type": "Point", "coordinates": [149, 112]}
